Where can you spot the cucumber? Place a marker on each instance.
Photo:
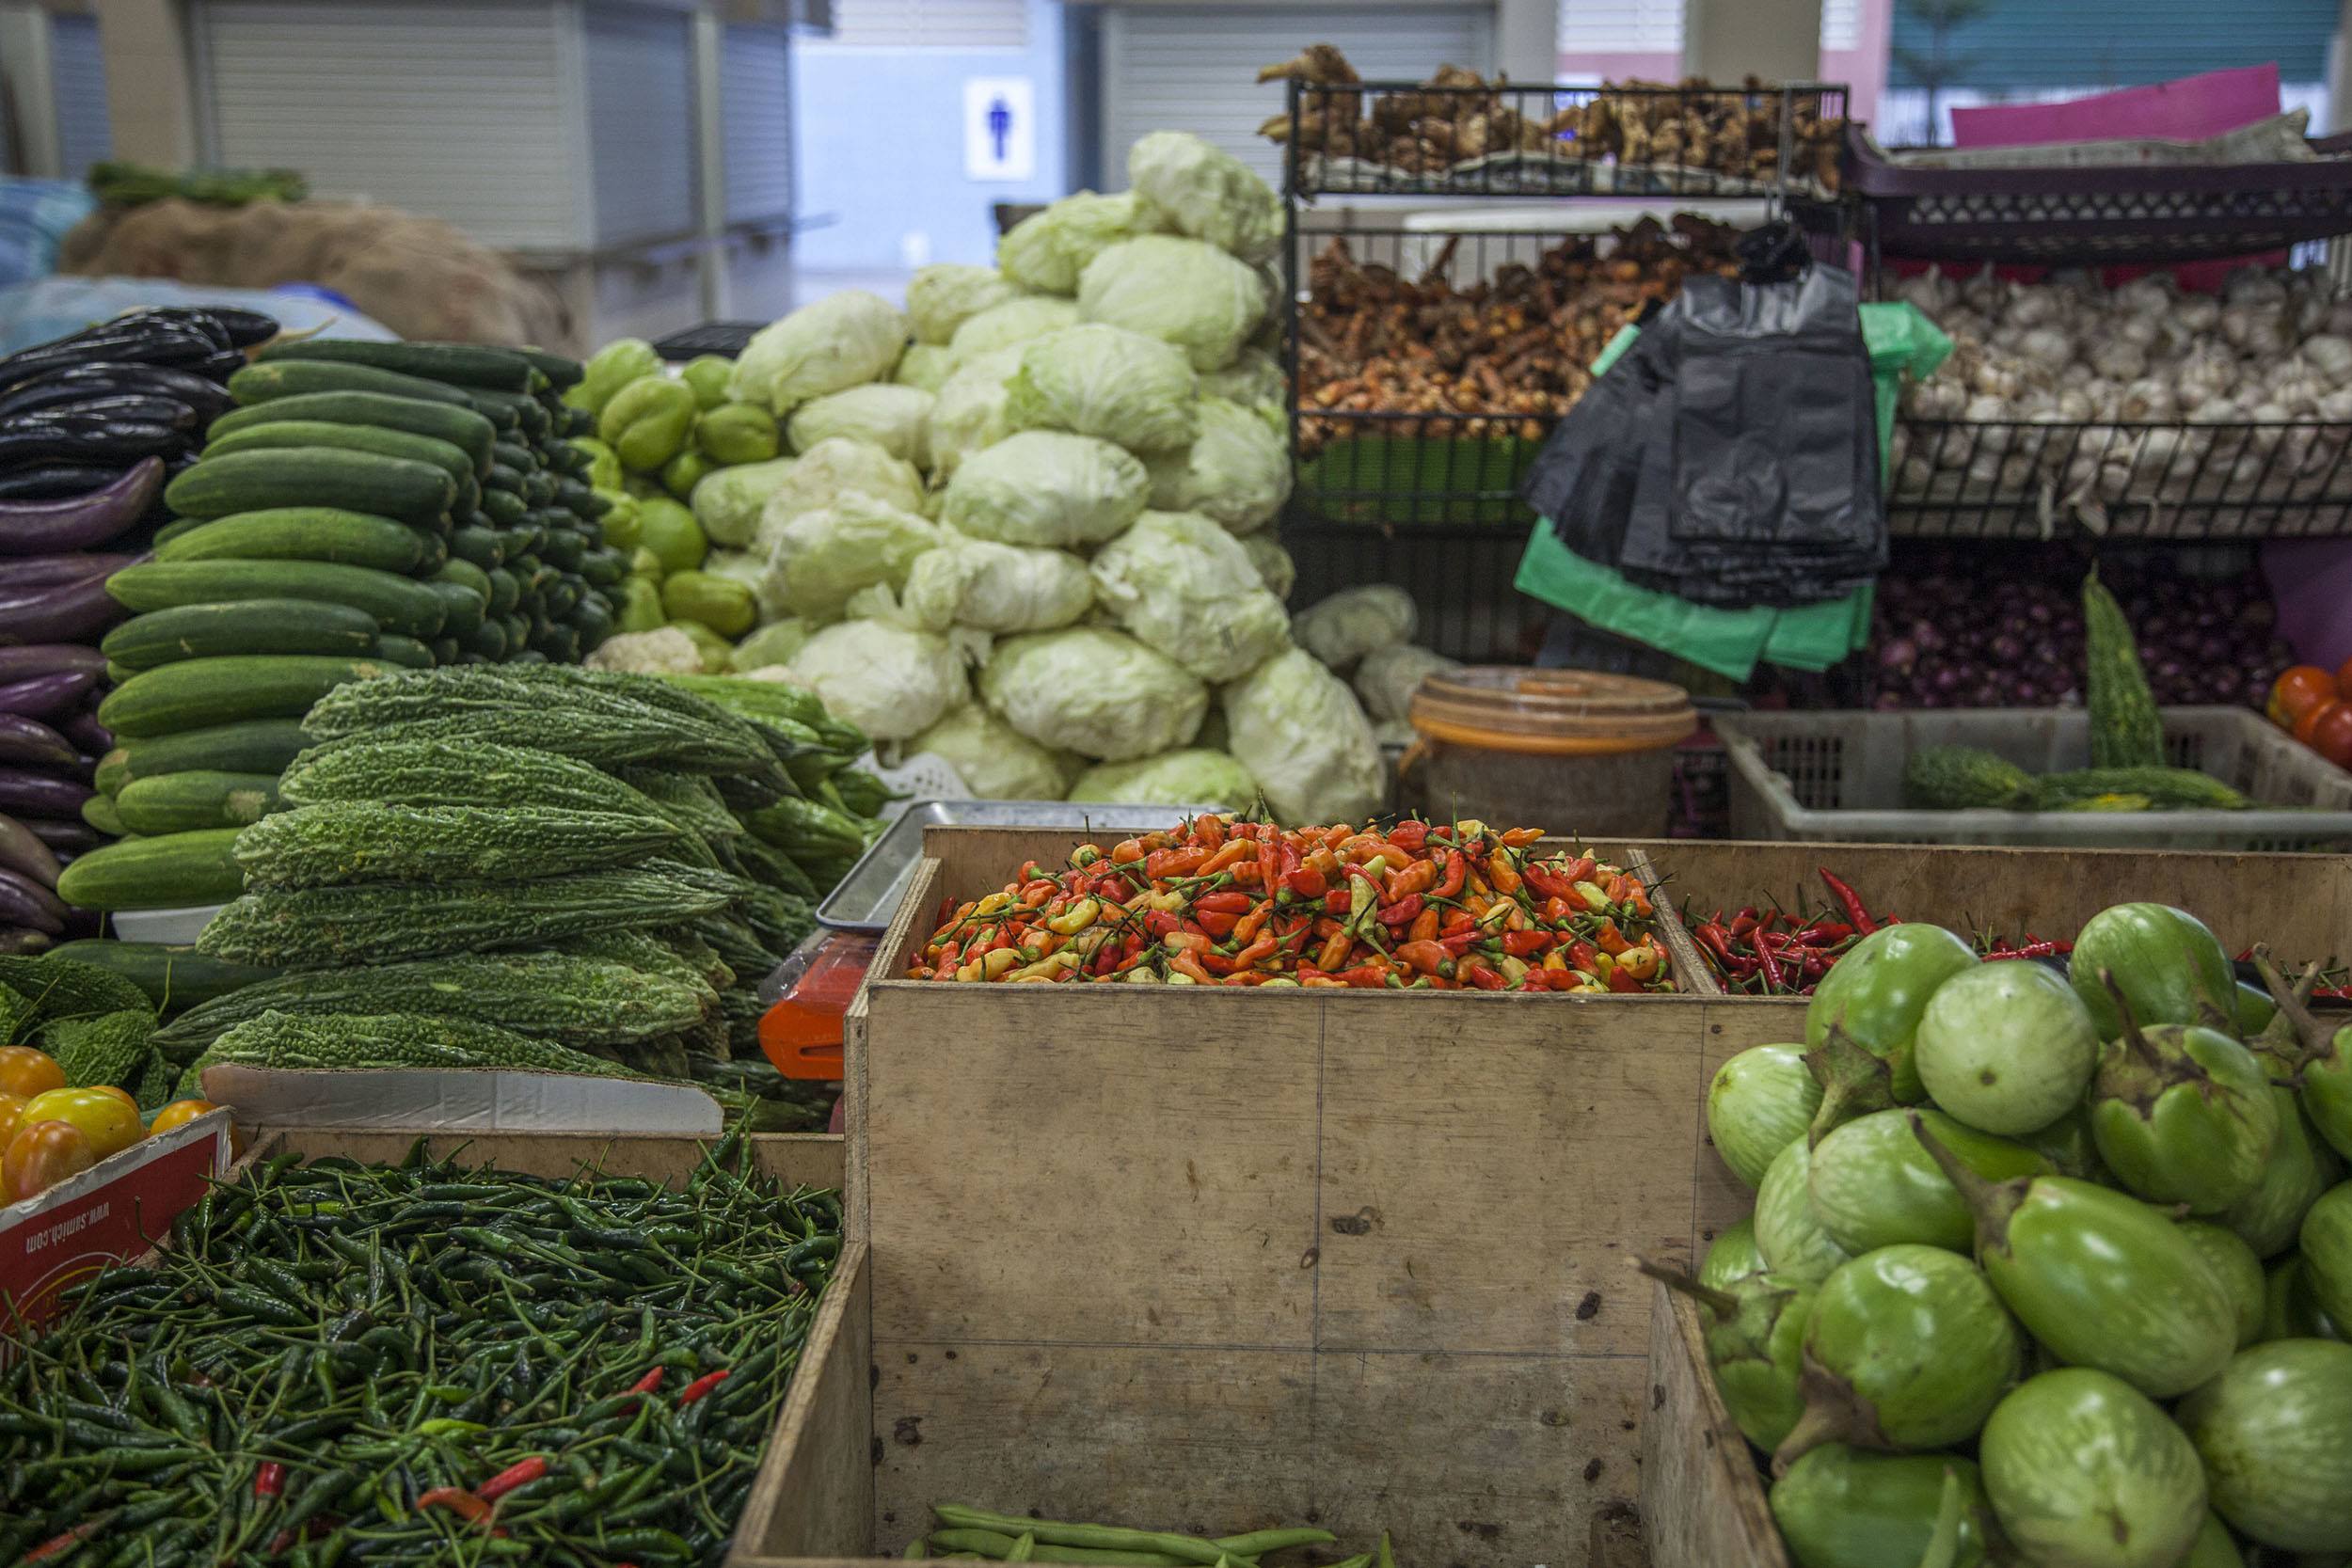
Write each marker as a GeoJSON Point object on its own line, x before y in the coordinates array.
{"type": "Point", "coordinates": [565, 549]}
{"type": "Point", "coordinates": [406, 652]}
{"type": "Point", "coordinates": [603, 567]}
{"type": "Point", "coordinates": [464, 365]}
{"type": "Point", "coordinates": [448, 649]}
{"type": "Point", "coordinates": [563, 375]}
{"type": "Point", "coordinates": [592, 619]}
{"type": "Point", "coordinates": [250, 746]}
{"type": "Point", "coordinates": [174, 977]}
{"type": "Point", "coordinates": [196, 694]}
{"type": "Point", "coordinates": [500, 480]}
{"type": "Point", "coordinates": [299, 533]}
{"type": "Point", "coordinates": [515, 455]}
{"type": "Point", "coordinates": [505, 508]}
{"type": "Point", "coordinates": [461, 428]}
{"type": "Point", "coordinates": [488, 640]}
{"type": "Point", "coordinates": [524, 413]}
{"type": "Point", "coordinates": [199, 797]}
{"type": "Point", "coordinates": [245, 627]}
{"type": "Point", "coordinates": [479, 545]}
{"type": "Point", "coordinates": [504, 590]}
{"type": "Point", "coordinates": [173, 872]}
{"type": "Point", "coordinates": [435, 556]}
{"type": "Point", "coordinates": [360, 481]}
{"type": "Point", "coordinates": [288, 379]}
{"type": "Point", "coordinates": [466, 572]}
{"type": "Point", "coordinates": [398, 603]}
{"type": "Point", "coordinates": [463, 603]}
{"type": "Point", "coordinates": [175, 529]}
{"type": "Point", "coordinates": [309, 435]}
{"type": "Point", "coordinates": [99, 812]}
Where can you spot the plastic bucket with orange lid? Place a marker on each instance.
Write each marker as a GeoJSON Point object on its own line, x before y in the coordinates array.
{"type": "Point", "coordinates": [1568, 749]}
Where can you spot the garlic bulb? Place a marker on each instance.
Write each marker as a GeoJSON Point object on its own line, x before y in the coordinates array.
{"type": "Point", "coordinates": [2197, 313]}
{"type": "Point", "coordinates": [2331, 356]}
{"type": "Point", "coordinates": [2148, 399]}
{"type": "Point", "coordinates": [2047, 347]}
{"type": "Point", "coordinates": [2118, 359]}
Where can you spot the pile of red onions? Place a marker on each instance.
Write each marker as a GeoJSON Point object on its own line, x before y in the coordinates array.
{"type": "Point", "coordinates": [1966, 630]}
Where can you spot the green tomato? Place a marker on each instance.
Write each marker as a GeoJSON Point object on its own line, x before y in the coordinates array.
{"type": "Point", "coordinates": [721, 603]}
{"type": "Point", "coordinates": [708, 375]}
{"type": "Point", "coordinates": [623, 519]}
{"type": "Point", "coordinates": [738, 432]}
{"type": "Point", "coordinates": [640, 606]}
{"type": "Point", "coordinates": [604, 465]}
{"type": "Point", "coordinates": [713, 646]}
{"type": "Point", "coordinates": [610, 369]}
{"type": "Point", "coordinates": [671, 533]}
{"type": "Point", "coordinates": [681, 473]}
{"type": "Point", "coordinates": [647, 421]}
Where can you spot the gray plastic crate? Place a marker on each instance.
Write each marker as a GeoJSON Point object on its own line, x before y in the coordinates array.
{"type": "Point", "coordinates": [1837, 778]}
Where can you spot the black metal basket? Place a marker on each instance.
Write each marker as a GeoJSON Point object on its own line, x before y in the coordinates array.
{"type": "Point", "coordinates": [2176, 481]}
{"type": "Point", "coordinates": [1460, 580]}
{"type": "Point", "coordinates": [1441, 138]}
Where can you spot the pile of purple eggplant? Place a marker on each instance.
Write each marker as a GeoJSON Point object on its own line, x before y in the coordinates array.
{"type": "Point", "coordinates": [91, 426]}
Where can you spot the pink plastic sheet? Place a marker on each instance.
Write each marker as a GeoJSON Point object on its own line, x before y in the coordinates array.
{"type": "Point", "coordinates": [2190, 109]}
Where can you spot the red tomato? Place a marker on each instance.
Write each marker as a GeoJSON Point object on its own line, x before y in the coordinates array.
{"type": "Point", "coordinates": [2299, 690]}
{"type": "Point", "coordinates": [25, 1072]}
{"type": "Point", "coordinates": [2344, 680]}
{"type": "Point", "coordinates": [2331, 736]}
{"type": "Point", "coordinates": [2310, 721]}
{"type": "Point", "coordinates": [109, 1120]}
{"type": "Point", "coordinates": [44, 1154]}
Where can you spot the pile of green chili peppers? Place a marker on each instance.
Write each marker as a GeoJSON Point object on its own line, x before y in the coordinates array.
{"type": "Point", "coordinates": [968, 1533]}
{"type": "Point", "coordinates": [339, 1363]}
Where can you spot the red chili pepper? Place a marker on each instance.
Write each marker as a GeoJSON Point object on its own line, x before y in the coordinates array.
{"type": "Point", "coordinates": [1159, 924]}
{"type": "Point", "coordinates": [1855, 911]}
{"type": "Point", "coordinates": [1223, 902]}
{"type": "Point", "coordinates": [1522, 945]}
{"type": "Point", "coordinates": [1772, 981]}
{"type": "Point", "coordinates": [464, 1504]}
{"type": "Point", "coordinates": [647, 1383]}
{"type": "Point", "coordinates": [1460, 943]}
{"type": "Point", "coordinates": [1483, 976]}
{"type": "Point", "coordinates": [2031, 950]}
{"type": "Point", "coordinates": [701, 1386]}
{"type": "Point", "coordinates": [1338, 901]}
{"type": "Point", "coordinates": [269, 1479]}
{"type": "Point", "coordinates": [1363, 976]}
{"type": "Point", "coordinates": [1409, 835]}
{"type": "Point", "coordinates": [1402, 912]}
{"type": "Point", "coordinates": [521, 1473]}
{"type": "Point", "coordinates": [1544, 884]}
{"type": "Point", "coordinates": [1620, 981]}
{"type": "Point", "coordinates": [1453, 875]}
{"type": "Point", "coordinates": [1218, 923]}
{"type": "Point", "coordinates": [71, 1539]}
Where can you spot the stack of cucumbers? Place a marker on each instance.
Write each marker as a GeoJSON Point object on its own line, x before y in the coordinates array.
{"type": "Point", "coordinates": [367, 508]}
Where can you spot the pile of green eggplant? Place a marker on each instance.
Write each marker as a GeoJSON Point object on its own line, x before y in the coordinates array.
{"type": "Point", "coordinates": [2068, 1239]}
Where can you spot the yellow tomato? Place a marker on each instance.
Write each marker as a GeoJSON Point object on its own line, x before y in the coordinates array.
{"type": "Point", "coordinates": [108, 1118]}
{"type": "Point", "coordinates": [42, 1154]}
{"type": "Point", "coordinates": [25, 1072]}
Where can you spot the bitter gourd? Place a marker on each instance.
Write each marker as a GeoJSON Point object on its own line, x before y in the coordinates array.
{"type": "Point", "coordinates": [574, 1001]}
{"type": "Point", "coordinates": [441, 773]}
{"type": "Point", "coordinates": [2125, 729]}
{"type": "Point", "coordinates": [63, 987]}
{"type": "Point", "coordinates": [689, 799]}
{"type": "Point", "coordinates": [364, 841]}
{"type": "Point", "coordinates": [764, 862]}
{"type": "Point", "coordinates": [1959, 778]}
{"type": "Point", "coordinates": [352, 1041]}
{"type": "Point", "coordinates": [606, 742]}
{"type": "Point", "coordinates": [2162, 788]}
{"type": "Point", "coordinates": [386, 922]}
{"type": "Point", "coordinates": [675, 955]}
{"type": "Point", "coordinates": [106, 1050]}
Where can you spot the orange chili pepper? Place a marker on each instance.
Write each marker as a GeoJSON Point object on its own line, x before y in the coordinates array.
{"type": "Point", "coordinates": [1186, 942]}
{"type": "Point", "coordinates": [1425, 926]}
{"type": "Point", "coordinates": [1556, 911]}
{"type": "Point", "coordinates": [1334, 951]}
{"type": "Point", "coordinates": [1419, 877]}
{"type": "Point", "coordinates": [1246, 931]}
{"type": "Point", "coordinates": [457, 1500]}
{"type": "Point", "coordinates": [1188, 965]}
{"type": "Point", "coordinates": [1609, 939]}
{"type": "Point", "coordinates": [1160, 865]}
{"type": "Point", "coordinates": [1642, 962]}
{"type": "Point", "coordinates": [1503, 874]}
{"type": "Point", "coordinates": [1423, 957]}
{"type": "Point", "coordinates": [1519, 838]}
{"type": "Point", "coordinates": [1209, 832]}
{"type": "Point", "coordinates": [1232, 854]}
{"type": "Point", "coordinates": [1127, 851]}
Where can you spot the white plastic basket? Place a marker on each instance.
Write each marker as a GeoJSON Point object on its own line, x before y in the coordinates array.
{"type": "Point", "coordinates": [1837, 778]}
{"type": "Point", "coordinates": [177, 927]}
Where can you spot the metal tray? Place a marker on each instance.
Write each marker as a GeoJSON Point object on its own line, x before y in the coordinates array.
{"type": "Point", "coordinates": [868, 896]}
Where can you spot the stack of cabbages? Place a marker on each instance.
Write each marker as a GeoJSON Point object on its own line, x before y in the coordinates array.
{"type": "Point", "coordinates": [1029, 541]}
{"type": "Point", "coordinates": [2081, 1243]}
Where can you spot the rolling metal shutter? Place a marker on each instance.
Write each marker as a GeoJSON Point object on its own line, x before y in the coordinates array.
{"type": "Point", "coordinates": [756, 116]}
{"type": "Point", "coordinates": [641, 123]}
{"type": "Point", "coordinates": [1621, 26]}
{"type": "Point", "coordinates": [77, 74]}
{"type": "Point", "coordinates": [931, 24]}
{"type": "Point", "coordinates": [1177, 68]}
{"type": "Point", "coordinates": [455, 109]}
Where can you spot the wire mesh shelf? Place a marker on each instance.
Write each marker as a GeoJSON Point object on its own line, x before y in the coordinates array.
{"type": "Point", "coordinates": [1457, 134]}
{"type": "Point", "coordinates": [1459, 576]}
{"type": "Point", "coordinates": [2181, 481]}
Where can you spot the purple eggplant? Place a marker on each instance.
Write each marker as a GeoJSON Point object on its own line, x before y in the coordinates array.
{"type": "Point", "coordinates": [68, 839]}
{"type": "Point", "coordinates": [26, 792]}
{"type": "Point", "coordinates": [49, 659]}
{"type": "Point", "coordinates": [46, 696]}
{"type": "Point", "coordinates": [23, 853]}
{"type": "Point", "coordinates": [80, 522]}
{"type": "Point", "coordinates": [85, 731]}
{"type": "Point", "coordinates": [40, 571]}
{"type": "Point", "coordinates": [29, 742]}
{"type": "Point", "coordinates": [59, 613]}
{"type": "Point", "coordinates": [26, 903]}
{"type": "Point", "coordinates": [16, 942]}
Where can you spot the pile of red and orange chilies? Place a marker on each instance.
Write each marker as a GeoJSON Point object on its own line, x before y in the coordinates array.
{"type": "Point", "coordinates": [1419, 906]}
{"type": "Point", "coordinates": [1774, 953]}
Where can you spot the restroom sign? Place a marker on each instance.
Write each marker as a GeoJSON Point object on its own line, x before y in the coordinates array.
{"type": "Point", "coordinates": [999, 128]}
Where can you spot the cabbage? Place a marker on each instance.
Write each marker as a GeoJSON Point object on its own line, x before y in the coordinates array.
{"type": "Point", "coordinates": [924, 367]}
{"type": "Point", "coordinates": [1194, 777]}
{"type": "Point", "coordinates": [818, 559]}
{"type": "Point", "coordinates": [1236, 471]}
{"type": "Point", "coordinates": [969, 413]}
{"type": "Point", "coordinates": [944, 296]}
{"type": "Point", "coordinates": [996, 760]}
{"type": "Point", "coordinates": [1273, 561]}
{"type": "Point", "coordinates": [1092, 691]}
{"type": "Point", "coordinates": [1207, 193]}
{"type": "Point", "coordinates": [1183, 585]}
{"type": "Point", "coordinates": [895, 418]}
{"type": "Point", "coordinates": [888, 680]}
{"type": "Point", "coordinates": [772, 644]}
{"type": "Point", "coordinates": [1296, 726]}
{"type": "Point", "coordinates": [1189, 294]}
{"type": "Point", "coordinates": [1387, 677]}
{"type": "Point", "coordinates": [1047, 250]}
{"type": "Point", "coordinates": [839, 340]}
{"type": "Point", "coordinates": [1109, 383]}
{"type": "Point", "coordinates": [727, 501]}
{"type": "Point", "coordinates": [831, 469]}
{"type": "Point", "coordinates": [1351, 622]}
{"type": "Point", "coordinates": [1010, 325]}
{"type": "Point", "coordinates": [1254, 380]}
{"type": "Point", "coordinates": [995, 588]}
{"type": "Point", "coordinates": [1044, 487]}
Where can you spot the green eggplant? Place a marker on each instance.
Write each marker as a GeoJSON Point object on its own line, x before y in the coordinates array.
{"type": "Point", "coordinates": [1757, 1102]}
{"type": "Point", "coordinates": [2102, 1279]}
{"type": "Point", "coordinates": [1788, 1232]}
{"type": "Point", "coordinates": [2275, 1433]}
{"type": "Point", "coordinates": [1732, 1255]}
{"type": "Point", "coordinates": [2069, 1146]}
{"type": "Point", "coordinates": [2183, 1114]}
{"type": "Point", "coordinates": [1841, 1507]}
{"type": "Point", "coordinates": [1907, 1348]}
{"type": "Point", "coordinates": [2322, 1059]}
{"type": "Point", "coordinates": [2250, 1010]}
{"type": "Point", "coordinates": [2327, 1248]}
{"type": "Point", "coordinates": [2085, 1471]}
{"type": "Point", "coordinates": [1754, 1346]}
{"type": "Point", "coordinates": [1876, 995]}
{"type": "Point", "coordinates": [2165, 962]}
{"type": "Point", "coordinates": [2214, 1549]}
{"type": "Point", "coordinates": [1873, 1184]}
{"type": "Point", "coordinates": [2289, 1310]}
{"type": "Point", "coordinates": [2005, 1047]}
{"type": "Point", "coordinates": [2235, 1264]}
{"type": "Point", "coordinates": [2300, 1167]}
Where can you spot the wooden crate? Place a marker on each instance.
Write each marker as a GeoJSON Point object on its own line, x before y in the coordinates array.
{"type": "Point", "coordinates": [1702, 1497]}
{"type": "Point", "coordinates": [1227, 1245]}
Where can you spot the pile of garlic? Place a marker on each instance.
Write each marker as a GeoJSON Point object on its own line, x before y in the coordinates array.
{"type": "Point", "coordinates": [2272, 351]}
